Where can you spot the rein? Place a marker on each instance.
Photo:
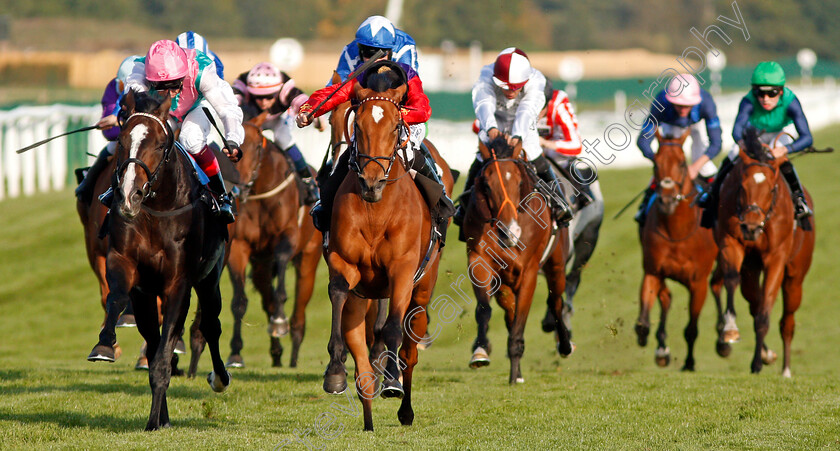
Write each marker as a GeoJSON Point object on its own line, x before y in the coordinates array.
{"type": "Point", "coordinates": [495, 161]}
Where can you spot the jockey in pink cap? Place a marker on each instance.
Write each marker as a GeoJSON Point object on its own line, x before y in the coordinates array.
{"type": "Point", "coordinates": [189, 77]}
{"type": "Point", "coordinates": [683, 104]}
{"type": "Point", "coordinates": [266, 88]}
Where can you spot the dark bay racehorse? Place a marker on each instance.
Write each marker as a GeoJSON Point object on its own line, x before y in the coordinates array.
{"type": "Point", "coordinates": [381, 231]}
{"type": "Point", "coordinates": [271, 230]}
{"type": "Point", "coordinates": [163, 241]}
{"type": "Point", "coordinates": [675, 247]}
{"type": "Point", "coordinates": [758, 236]}
{"type": "Point", "coordinates": [509, 235]}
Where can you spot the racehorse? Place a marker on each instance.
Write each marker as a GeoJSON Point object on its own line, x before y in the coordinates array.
{"type": "Point", "coordinates": [380, 234]}
{"type": "Point", "coordinates": [271, 230]}
{"type": "Point", "coordinates": [583, 233]}
{"type": "Point", "coordinates": [675, 247]}
{"type": "Point", "coordinates": [163, 240]}
{"type": "Point", "coordinates": [510, 234]}
{"type": "Point", "coordinates": [758, 235]}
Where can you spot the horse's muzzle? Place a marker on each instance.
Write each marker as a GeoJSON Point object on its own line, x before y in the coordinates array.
{"type": "Point", "coordinates": [751, 231]}
{"type": "Point", "coordinates": [371, 192]}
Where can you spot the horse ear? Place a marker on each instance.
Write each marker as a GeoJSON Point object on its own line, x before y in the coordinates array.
{"type": "Point", "coordinates": [163, 110]}
{"type": "Point", "coordinates": [517, 150]}
{"type": "Point", "coordinates": [359, 92]}
{"type": "Point", "coordinates": [685, 134]}
{"type": "Point", "coordinates": [484, 151]}
{"type": "Point", "coordinates": [127, 102]}
{"type": "Point", "coordinates": [742, 154]}
{"type": "Point", "coordinates": [259, 120]}
{"type": "Point", "coordinates": [402, 90]}
{"type": "Point", "coordinates": [657, 134]}
{"type": "Point", "coordinates": [336, 79]}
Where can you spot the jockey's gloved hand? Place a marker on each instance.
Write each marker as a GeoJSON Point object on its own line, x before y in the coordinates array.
{"type": "Point", "coordinates": [233, 151]}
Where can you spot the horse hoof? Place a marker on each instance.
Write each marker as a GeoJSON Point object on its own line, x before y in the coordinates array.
{"type": "Point", "coordinates": [723, 348]}
{"type": "Point", "coordinates": [663, 356]}
{"type": "Point", "coordinates": [642, 334]}
{"type": "Point", "coordinates": [235, 361]}
{"type": "Point", "coordinates": [768, 356]}
{"type": "Point", "coordinates": [278, 327]}
{"type": "Point", "coordinates": [126, 321]}
{"type": "Point", "coordinates": [102, 353]}
{"type": "Point", "coordinates": [786, 373]}
{"type": "Point", "coordinates": [180, 347]}
{"type": "Point", "coordinates": [392, 388]}
{"type": "Point", "coordinates": [731, 336]}
{"type": "Point", "coordinates": [572, 348]}
{"type": "Point", "coordinates": [479, 358]}
{"type": "Point", "coordinates": [335, 384]}
{"type": "Point", "coordinates": [142, 363]}
{"type": "Point", "coordinates": [216, 382]}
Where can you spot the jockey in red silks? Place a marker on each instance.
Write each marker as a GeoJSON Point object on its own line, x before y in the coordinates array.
{"type": "Point", "coordinates": [189, 78]}
{"type": "Point", "coordinates": [107, 123]}
{"type": "Point", "coordinates": [415, 111]}
{"type": "Point", "coordinates": [267, 88]}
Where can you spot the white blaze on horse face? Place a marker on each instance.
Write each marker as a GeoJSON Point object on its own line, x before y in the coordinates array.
{"type": "Point", "coordinates": [759, 177]}
{"type": "Point", "coordinates": [508, 175]}
{"type": "Point", "coordinates": [378, 113]}
{"type": "Point", "coordinates": [138, 134]}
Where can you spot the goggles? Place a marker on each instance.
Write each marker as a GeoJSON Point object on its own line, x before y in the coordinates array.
{"type": "Point", "coordinates": [366, 52]}
{"type": "Point", "coordinates": [766, 91]}
{"type": "Point", "coordinates": [167, 85]}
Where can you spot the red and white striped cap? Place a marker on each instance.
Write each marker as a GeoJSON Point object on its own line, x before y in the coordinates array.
{"type": "Point", "coordinates": [512, 69]}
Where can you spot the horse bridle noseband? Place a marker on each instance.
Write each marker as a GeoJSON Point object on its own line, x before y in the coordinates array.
{"type": "Point", "coordinates": [151, 176]}
{"type": "Point", "coordinates": [355, 156]}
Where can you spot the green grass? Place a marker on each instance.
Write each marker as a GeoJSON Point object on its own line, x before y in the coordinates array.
{"type": "Point", "coordinates": [608, 395]}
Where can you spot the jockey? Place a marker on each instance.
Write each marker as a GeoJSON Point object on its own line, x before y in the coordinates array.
{"type": "Point", "coordinates": [769, 107]}
{"type": "Point", "coordinates": [189, 78]}
{"type": "Point", "coordinates": [557, 127]}
{"type": "Point", "coordinates": [266, 88]}
{"type": "Point", "coordinates": [377, 33]}
{"type": "Point", "coordinates": [192, 40]}
{"type": "Point", "coordinates": [415, 112]}
{"type": "Point", "coordinates": [107, 123]}
{"type": "Point", "coordinates": [684, 104]}
{"type": "Point", "coordinates": [507, 98]}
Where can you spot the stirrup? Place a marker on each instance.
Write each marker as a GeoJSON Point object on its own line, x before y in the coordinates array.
{"type": "Point", "coordinates": [802, 208]}
{"type": "Point", "coordinates": [222, 208]}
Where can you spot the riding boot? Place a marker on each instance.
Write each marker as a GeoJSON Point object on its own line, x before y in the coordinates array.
{"type": "Point", "coordinates": [85, 189]}
{"type": "Point", "coordinates": [464, 198]}
{"type": "Point", "coordinates": [330, 182]}
{"type": "Point", "coordinates": [641, 215]}
{"type": "Point", "coordinates": [560, 210]}
{"type": "Point", "coordinates": [800, 204]}
{"type": "Point", "coordinates": [709, 199]}
{"type": "Point", "coordinates": [302, 170]}
{"type": "Point", "coordinates": [222, 208]}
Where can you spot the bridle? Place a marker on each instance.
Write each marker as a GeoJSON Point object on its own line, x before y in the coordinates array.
{"type": "Point", "coordinates": [680, 196]}
{"type": "Point", "coordinates": [356, 156]}
{"type": "Point", "coordinates": [754, 207]}
{"type": "Point", "coordinates": [246, 188]}
{"type": "Point", "coordinates": [151, 176]}
{"type": "Point", "coordinates": [494, 160]}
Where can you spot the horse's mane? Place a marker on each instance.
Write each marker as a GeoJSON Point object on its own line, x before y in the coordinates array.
{"type": "Point", "coordinates": [501, 147]}
{"type": "Point", "coordinates": [144, 102]}
{"type": "Point", "coordinates": [753, 146]}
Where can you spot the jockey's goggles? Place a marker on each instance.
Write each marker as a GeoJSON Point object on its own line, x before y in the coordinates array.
{"type": "Point", "coordinates": [167, 85]}
{"type": "Point", "coordinates": [263, 97]}
{"type": "Point", "coordinates": [766, 91]}
{"type": "Point", "coordinates": [367, 52]}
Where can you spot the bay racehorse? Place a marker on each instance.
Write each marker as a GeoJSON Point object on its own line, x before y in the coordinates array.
{"type": "Point", "coordinates": [675, 247]}
{"type": "Point", "coordinates": [510, 235]}
{"type": "Point", "coordinates": [759, 236]}
{"type": "Point", "coordinates": [163, 241]}
{"type": "Point", "coordinates": [271, 230]}
{"type": "Point", "coordinates": [381, 232]}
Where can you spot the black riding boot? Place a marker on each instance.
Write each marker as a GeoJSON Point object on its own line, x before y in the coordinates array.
{"type": "Point", "coordinates": [641, 215]}
{"type": "Point", "coordinates": [800, 204]}
{"type": "Point", "coordinates": [309, 185]}
{"type": "Point", "coordinates": [85, 189]}
{"type": "Point", "coordinates": [443, 209]}
{"type": "Point", "coordinates": [464, 198]}
{"type": "Point", "coordinates": [222, 208]}
{"type": "Point", "coordinates": [322, 211]}
{"type": "Point", "coordinates": [560, 209]}
{"type": "Point", "coordinates": [710, 199]}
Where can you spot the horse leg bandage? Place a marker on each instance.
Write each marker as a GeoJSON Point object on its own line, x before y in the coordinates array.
{"type": "Point", "coordinates": [207, 161]}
